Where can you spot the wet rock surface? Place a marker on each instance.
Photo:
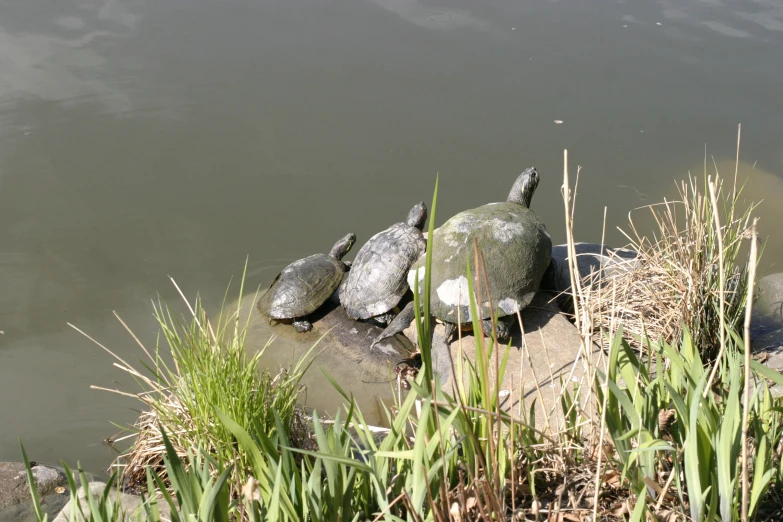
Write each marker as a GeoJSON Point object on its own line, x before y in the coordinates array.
{"type": "Point", "coordinates": [348, 339]}
{"type": "Point", "coordinates": [15, 500]}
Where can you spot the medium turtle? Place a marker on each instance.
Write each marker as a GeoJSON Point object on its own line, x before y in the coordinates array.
{"type": "Point", "coordinates": [304, 285]}
{"type": "Point", "coordinates": [377, 280]}
{"type": "Point", "coordinates": [516, 249]}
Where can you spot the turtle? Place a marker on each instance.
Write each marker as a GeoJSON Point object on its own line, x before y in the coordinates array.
{"type": "Point", "coordinates": [304, 285]}
{"type": "Point", "coordinates": [377, 280]}
{"type": "Point", "coordinates": [516, 248]}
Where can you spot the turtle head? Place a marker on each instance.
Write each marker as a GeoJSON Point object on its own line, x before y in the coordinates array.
{"type": "Point", "coordinates": [417, 216]}
{"type": "Point", "coordinates": [524, 187]}
{"type": "Point", "coordinates": [343, 246]}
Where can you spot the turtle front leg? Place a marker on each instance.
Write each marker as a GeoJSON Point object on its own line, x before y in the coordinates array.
{"type": "Point", "coordinates": [302, 325]}
{"type": "Point", "coordinates": [384, 319]}
{"type": "Point", "coordinates": [398, 324]}
{"type": "Point", "coordinates": [503, 329]}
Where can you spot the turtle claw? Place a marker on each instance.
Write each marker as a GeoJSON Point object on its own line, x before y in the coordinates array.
{"type": "Point", "coordinates": [303, 326]}
{"type": "Point", "coordinates": [502, 329]}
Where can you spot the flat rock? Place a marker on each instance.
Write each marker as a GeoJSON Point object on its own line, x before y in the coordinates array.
{"type": "Point", "coordinates": [15, 500]}
{"type": "Point", "coordinates": [344, 352]}
{"type": "Point", "coordinates": [539, 363]}
{"type": "Point", "coordinates": [349, 340]}
{"type": "Point", "coordinates": [130, 504]}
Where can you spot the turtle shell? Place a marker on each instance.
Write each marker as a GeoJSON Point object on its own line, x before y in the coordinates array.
{"type": "Point", "coordinates": [302, 287]}
{"type": "Point", "coordinates": [377, 280]}
{"type": "Point", "coordinates": [516, 249]}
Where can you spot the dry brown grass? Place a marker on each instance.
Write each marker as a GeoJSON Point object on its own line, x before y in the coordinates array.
{"type": "Point", "coordinates": [677, 278]}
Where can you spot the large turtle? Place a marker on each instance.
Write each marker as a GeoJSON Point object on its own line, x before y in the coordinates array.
{"type": "Point", "coordinates": [377, 280]}
{"type": "Point", "coordinates": [304, 285]}
{"type": "Point", "coordinates": [516, 249]}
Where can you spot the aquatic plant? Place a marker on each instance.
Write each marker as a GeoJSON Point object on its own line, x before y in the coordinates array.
{"type": "Point", "coordinates": [203, 368]}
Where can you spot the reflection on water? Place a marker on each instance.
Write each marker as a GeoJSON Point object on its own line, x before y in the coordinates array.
{"type": "Point", "coordinates": [419, 13]}
{"type": "Point", "coordinates": [145, 139]}
{"type": "Point", "coordinates": [67, 67]}
{"type": "Point", "coordinates": [729, 18]}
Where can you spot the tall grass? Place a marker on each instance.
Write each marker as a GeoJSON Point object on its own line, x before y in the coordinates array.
{"type": "Point", "coordinates": [690, 273]}
{"type": "Point", "coordinates": [209, 370]}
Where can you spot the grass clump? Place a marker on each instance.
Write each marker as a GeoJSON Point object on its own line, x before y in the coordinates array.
{"type": "Point", "coordinates": [679, 451]}
{"type": "Point", "coordinates": [204, 369]}
{"type": "Point", "coordinates": [689, 274]}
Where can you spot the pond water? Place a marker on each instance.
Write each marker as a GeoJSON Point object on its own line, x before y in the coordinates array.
{"type": "Point", "coordinates": [141, 140]}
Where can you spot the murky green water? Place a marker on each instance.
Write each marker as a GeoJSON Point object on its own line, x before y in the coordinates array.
{"type": "Point", "coordinates": [142, 139]}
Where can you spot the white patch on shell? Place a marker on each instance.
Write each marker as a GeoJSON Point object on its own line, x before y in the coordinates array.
{"type": "Point", "coordinates": [504, 231]}
{"type": "Point", "coordinates": [454, 292]}
{"type": "Point", "coordinates": [294, 265]}
{"type": "Point", "coordinates": [378, 308]}
{"type": "Point", "coordinates": [508, 305]}
{"type": "Point", "coordinates": [412, 277]}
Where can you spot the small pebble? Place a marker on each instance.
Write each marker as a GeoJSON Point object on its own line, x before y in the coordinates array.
{"type": "Point", "coordinates": [658, 23]}
{"type": "Point", "coordinates": [558, 122]}
{"type": "Point", "coordinates": [27, 133]}
{"type": "Point", "coordinates": [513, 28]}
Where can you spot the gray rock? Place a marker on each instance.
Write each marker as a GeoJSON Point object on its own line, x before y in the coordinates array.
{"type": "Point", "coordinates": [15, 500]}
{"type": "Point", "coordinates": [553, 345]}
{"type": "Point", "coordinates": [770, 301]}
{"type": "Point", "coordinates": [766, 331]}
{"type": "Point", "coordinates": [590, 258]}
{"type": "Point", "coordinates": [130, 504]}
{"type": "Point", "coordinates": [768, 311]}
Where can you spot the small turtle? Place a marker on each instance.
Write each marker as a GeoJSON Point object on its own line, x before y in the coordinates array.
{"type": "Point", "coordinates": [516, 249]}
{"type": "Point", "coordinates": [304, 285]}
{"type": "Point", "coordinates": [377, 280]}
